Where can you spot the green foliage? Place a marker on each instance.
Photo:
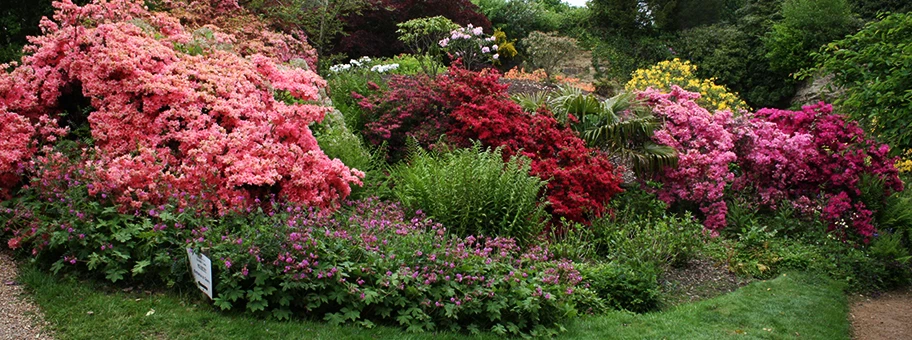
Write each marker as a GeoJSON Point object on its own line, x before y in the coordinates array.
{"type": "Point", "coordinates": [874, 66]}
{"type": "Point", "coordinates": [616, 56]}
{"type": "Point", "coordinates": [600, 124]}
{"type": "Point", "coordinates": [337, 141]}
{"type": "Point", "coordinates": [78, 231]}
{"type": "Point", "coordinates": [632, 288]}
{"type": "Point", "coordinates": [638, 231]}
{"type": "Point", "coordinates": [422, 37]}
{"type": "Point", "coordinates": [813, 306]}
{"type": "Point", "coordinates": [321, 20]}
{"type": "Point", "coordinates": [519, 18]}
{"type": "Point", "coordinates": [806, 25]}
{"type": "Point", "coordinates": [762, 244]}
{"type": "Point", "coordinates": [473, 192]}
{"type": "Point", "coordinates": [630, 137]}
{"type": "Point", "coordinates": [549, 51]}
{"type": "Point", "coordinates": [735, 55]}
{"type": "Point", "coordinates": [869, 9]}
{"type": "Point", "coordinates": [19, 19]}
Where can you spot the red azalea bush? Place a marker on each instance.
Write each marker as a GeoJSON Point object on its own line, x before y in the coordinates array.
{"type": "Point", "coordinates": [802, 155]}
{"type": "Point", "coordinates": [705, 146]}
{"type": "Point", "coordinates": [171, 110]}
{"type": "Point", "coordinates": [466, 106]}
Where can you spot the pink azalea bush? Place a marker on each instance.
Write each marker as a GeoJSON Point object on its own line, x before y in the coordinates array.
{"type": "Point", "coordinates": [171, 110]}
{"type": "Point", "coordinates": [705, 146]}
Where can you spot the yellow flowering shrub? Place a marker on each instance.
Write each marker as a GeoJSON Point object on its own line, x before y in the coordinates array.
{"type": "Point", "coordinates": [676, 72]}
{"type": "Point", "coordinates": [905, 164]}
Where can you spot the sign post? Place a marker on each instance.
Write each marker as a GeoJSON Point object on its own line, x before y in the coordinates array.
{"type": "Point", "coordinates": [201, 267]}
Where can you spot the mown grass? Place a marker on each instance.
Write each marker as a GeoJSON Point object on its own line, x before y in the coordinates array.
{"type": "Point", "coordinates": [793, 305]}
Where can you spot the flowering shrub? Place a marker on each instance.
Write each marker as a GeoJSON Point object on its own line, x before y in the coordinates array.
{"type": "Point", "coordinates": [905, 165]}
{"type": "Point", "coordinates": [373, 263]}
{"type": "Point", "coordinates": [666, 74]}
{"type": "Point", "coordinates": [803, 155]}
{"type": "Point", "coordinates": [372, 31]}
{"type": "Point", "coordinates": [705, 146]}
{"type": "Point", "coordinates": [470, 45]}
{"type": "Point", "coordinates": [169, 113]}
{"type": "Point", "coordinates": [540, 75]}
{"type": "Point", "coordinates": [467, 106]}
{"type": "Point", "coordinates": [370, 262]}
{"type": "Point", "coordinates": [56, 220]}
{"type": "Point", "coordinates": [15, 147]}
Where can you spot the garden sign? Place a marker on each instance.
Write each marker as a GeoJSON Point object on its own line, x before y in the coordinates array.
{"type": "Point", "coordinates": [201, 267]}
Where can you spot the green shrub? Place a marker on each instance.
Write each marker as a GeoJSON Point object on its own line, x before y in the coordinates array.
{"type": "Point", "coordinates": [660, 240]}
{"type": "Point", "coordinates": [422, 36]}
{"type": "Point", "coordinates": [473, 192]}
{"type": "Point", "coordinates": [337, 141]}
{"type": "Point", "coordinates": [806, 25]}
{"type": "Point", "coordinates": [874, 67]}
{"type": "Point", "coordinates": [638, 230]}
{"type": "Point", "coordinates": [635, 289]}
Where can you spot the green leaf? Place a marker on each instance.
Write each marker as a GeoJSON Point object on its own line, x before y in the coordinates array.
{"type": "Point", "coordinates": [140, 266]}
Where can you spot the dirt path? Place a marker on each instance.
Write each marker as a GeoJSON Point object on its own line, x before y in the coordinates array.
{"type": "Point", "coordinates": [888, 316]}
{"type": "Point", "coordinates": [19, 318]}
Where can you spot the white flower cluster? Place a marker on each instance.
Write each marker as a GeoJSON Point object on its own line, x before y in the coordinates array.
{"type": "Point", "coordinates": [384, 68]}
{"type": "Point", "coordinates": [363, 62]}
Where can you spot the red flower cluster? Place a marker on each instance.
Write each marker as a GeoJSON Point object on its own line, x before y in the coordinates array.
{"type": "Point", "coordinates": [172, 110]}
{"type": "Point", "coordinates": [467, 106]}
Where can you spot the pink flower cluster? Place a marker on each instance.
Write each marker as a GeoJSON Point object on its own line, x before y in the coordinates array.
{"type": "Point", "coordinates": [15, 148]}
{"type": "Point", "coordinates": [812, 158]}
{"type": "Point", "coordinates": [165, 121]}
{"type": "Point", "coordinates": [802, 155]}
{"type": "Point", "coordinates": [705, 146]}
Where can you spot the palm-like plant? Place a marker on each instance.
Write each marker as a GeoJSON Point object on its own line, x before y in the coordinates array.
{"type": "Point", "coordinates": [620, 125]}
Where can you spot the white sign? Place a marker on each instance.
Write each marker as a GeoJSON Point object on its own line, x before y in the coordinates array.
{"type": "Point", "coordinates": [201, 267]}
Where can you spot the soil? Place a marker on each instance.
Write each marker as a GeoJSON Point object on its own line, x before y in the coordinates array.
{"type": "Point", "coordinates": [887, 316]}
{"type": "Point", "coordinates": [697, 280]}
{"type": "Point", "coordinates": [19, 318]}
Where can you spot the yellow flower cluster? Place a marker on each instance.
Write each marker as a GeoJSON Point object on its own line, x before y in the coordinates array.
{"type": "Point", "coordinates": [663, 75]}
{"type": "Point", "coordinates": [540, 76]}
{"type": "Point", "coordinates": [905, 164]}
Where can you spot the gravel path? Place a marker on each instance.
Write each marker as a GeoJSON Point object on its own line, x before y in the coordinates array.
{"type": "Point", "coordinates": [19, 318]}
{"type": "Point", "coordinates": [888, 316]}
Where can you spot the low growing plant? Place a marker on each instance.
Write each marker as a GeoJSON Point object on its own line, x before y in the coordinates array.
{"type": "Point", "coordinates": [474, 192]}
{"type": "Point", "coordinates": [373, 263]}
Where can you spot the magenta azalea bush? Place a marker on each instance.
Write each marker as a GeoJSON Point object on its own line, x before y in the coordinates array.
{"type": "Point", "coordinates": [812, 159]}
{"type": "Point", "coordinates": [169, 109]}
{"type": "Point", "coordinates": [815, 156]}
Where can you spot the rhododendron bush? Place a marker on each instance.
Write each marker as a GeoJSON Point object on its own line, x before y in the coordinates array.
{"type": "Point", "coordinates": [812, 159]}
{"type": "Point", "coordinates": [813, 153]}
{"type": "Point", "coordinates": [705, 146]}
{"type": "Point", "coordinates": [171, 109]}
{"type": "Point", "coordinates": [465, 106]}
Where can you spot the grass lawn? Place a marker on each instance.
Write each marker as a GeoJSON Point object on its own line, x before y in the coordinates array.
{"type": "Point", "coordinates": [789, 306]}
